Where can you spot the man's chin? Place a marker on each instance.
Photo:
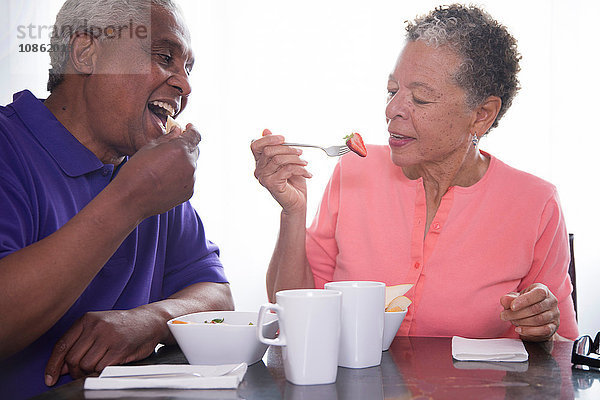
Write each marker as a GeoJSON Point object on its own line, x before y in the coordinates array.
{"type": "Point", "coordinates": [152, 134]}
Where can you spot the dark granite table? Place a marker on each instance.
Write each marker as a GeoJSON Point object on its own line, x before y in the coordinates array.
{"type": "Point", "coordinates": [413, 368]}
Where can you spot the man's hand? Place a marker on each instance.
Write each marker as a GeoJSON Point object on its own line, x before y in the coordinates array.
{"type": "Point", "coordinates": [99, 339]}
{"type": "Point", "coordinates": [160, 175]}
{"type": "Point", "coordinates": [103, 338]}
{"type": "Point", "coordinates": [534, 312]}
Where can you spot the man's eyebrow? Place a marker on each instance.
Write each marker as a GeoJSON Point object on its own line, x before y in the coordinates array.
{"type": "Point", "coordinates": [166, 43]}
{"type": "Point", "coordinates": [170, 44]}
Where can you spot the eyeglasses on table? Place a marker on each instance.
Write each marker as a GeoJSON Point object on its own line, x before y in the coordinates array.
{"type": "Point", "coordinates": [586, 351]}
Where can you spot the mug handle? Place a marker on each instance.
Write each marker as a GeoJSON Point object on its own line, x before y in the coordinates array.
{"type": "Point", "coordinates": [280, 340]}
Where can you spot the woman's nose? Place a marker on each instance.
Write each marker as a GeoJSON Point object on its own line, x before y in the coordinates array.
{"type": "Point", "coordinates": [396, 107]}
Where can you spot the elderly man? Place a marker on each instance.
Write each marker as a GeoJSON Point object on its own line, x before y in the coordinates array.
{"type": "Point", "coordinates": [98, 244]}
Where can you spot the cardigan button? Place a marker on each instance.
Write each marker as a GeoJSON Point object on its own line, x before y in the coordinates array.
{"type": "Point", "coordinates": [417, 265]}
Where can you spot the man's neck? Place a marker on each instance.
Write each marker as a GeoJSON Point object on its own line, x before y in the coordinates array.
{"type": "Point", "coordinates": [69, 108]}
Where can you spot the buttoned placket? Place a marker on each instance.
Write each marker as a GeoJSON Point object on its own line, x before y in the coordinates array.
{"type": "Point", "coordinates": [422, 246]}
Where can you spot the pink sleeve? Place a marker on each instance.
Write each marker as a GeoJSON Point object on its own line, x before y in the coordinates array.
{"type": "Point", "coordinates": [321, 246]}
{"type": "Point", "coordinates": [551, 262]}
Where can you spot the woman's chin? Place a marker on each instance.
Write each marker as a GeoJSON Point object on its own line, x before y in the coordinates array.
{"type": "Point", "coordinates": [401, 160]}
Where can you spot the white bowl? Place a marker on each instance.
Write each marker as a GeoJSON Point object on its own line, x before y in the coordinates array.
{"type": "Point", "coordinates": [391, 324]}
{"type": "Point", "coordinates": [231, 342]}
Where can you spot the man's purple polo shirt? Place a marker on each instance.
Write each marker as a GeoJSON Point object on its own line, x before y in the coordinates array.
{"type": "Point", "coordinates": [46, 177]}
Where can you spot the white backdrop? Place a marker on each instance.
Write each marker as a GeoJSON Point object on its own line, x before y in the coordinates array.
{"type": "Point", "coordinates": [317, 70]}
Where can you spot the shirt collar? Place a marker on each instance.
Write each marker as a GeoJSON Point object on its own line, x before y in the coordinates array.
{"type": "Point", "coordinates": [74, 158]}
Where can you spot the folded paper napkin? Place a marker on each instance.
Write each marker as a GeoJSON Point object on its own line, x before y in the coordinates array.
{"type": "Point", "coordinates": [509, 350]}
{"type": "Point", "coordinates": [211, 378]}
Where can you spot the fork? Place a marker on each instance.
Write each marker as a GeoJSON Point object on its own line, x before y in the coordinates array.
{"type": "Point", "coordinates": [331, 151]}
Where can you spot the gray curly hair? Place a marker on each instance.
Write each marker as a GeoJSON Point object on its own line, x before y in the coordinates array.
{"type": "Point", "coordinates": [93, 16]}
{"type": "Point", "coordinates": [490, 59]}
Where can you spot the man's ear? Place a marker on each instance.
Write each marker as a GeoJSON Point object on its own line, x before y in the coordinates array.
{"type": "Point", "coordinates": [485, 114]}
{"type": "Point", "coordinates": [83, 52]}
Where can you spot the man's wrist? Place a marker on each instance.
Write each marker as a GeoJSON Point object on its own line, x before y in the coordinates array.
{"type": "Point", "coordinates": [156, 316]}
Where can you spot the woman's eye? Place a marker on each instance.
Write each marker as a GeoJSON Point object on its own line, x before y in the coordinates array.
{"type": "Point", "coordinates": [419, 101]}
{"type": "Point", "coordinates": [391, 93]}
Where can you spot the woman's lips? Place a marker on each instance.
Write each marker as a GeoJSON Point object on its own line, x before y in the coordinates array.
{"type": "Point", "coordinates": [399, 140]}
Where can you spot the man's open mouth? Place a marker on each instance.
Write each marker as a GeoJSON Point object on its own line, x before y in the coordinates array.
{"type": "Point", "coordinates": [161, 110]}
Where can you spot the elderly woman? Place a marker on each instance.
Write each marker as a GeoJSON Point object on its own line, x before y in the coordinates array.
{"type": "Point", "coordinates": [484, 244]}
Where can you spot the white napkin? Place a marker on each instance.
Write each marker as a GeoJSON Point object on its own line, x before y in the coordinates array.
{"type": "Point", "coordinates": [508, 350]}
{"type": "Point", "coordinates": [208, 380]}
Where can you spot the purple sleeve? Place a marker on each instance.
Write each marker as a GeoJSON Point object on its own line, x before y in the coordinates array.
{"type": "Point", "coordinates": [191, 258]}
{"type": "Point", "coordinates": [16, 218]}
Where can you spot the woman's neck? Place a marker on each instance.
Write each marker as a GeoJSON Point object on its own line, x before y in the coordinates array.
{"type": "Point", "coordinates": [439, 176]}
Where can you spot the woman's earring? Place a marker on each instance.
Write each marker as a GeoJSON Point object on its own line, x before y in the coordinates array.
{"type": "Point", "coordinates": [475, 139]}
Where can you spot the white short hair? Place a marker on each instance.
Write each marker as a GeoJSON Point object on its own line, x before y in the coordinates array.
{"type": "Point", "coordinates": [94, 17]}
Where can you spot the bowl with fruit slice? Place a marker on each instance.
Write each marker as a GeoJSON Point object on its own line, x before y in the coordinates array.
{"type": "Point", "coordinates": [396, 307]}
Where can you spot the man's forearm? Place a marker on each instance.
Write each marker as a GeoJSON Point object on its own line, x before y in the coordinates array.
{"type": "Point", "coordinates": [202, 296]}
{"type": "Point", "coordinates": [41, 281]}
{"type": "Point", "coordinates": [114, 337]}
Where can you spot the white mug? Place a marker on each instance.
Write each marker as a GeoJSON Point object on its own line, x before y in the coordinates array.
{"type": "Point", "coordinates": [309, 331]}
{"type": "Point", "coordinates": [363, 305]}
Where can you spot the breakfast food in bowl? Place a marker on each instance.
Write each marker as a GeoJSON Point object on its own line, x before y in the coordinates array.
{"type": "Point", "coordinates": [394, 297]}
{"type": "Point", "coordinates": [231, 339]}
{"type": "Point", "coordinates": [396, 307]}
{"type": "Point", "coordinates": [212, 321]}
{"type": "Point", "coordinates": [399, 303]}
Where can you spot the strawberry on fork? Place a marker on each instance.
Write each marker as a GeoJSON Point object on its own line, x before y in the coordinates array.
{"type": "Point", "coordinates": [356, 144]}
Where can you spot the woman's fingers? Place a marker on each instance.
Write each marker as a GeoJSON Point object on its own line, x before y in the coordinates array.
{"type": "Point", "coordinates": [277, 182]}
{"type": "Point", "coordinates": [537, 333]}
{"type": "Point", "coordinates": [534, 294]}
{"type": "Point", "coordinates": [281, 170]}
{"type": "Point", "coordinates": [534, 312]}
{"type": "Point", "coordinates": [270, 151]}
{"type": "Point", "coordinates": [543, 318]}
{"type": "Point", "coordinates": [275, 163]}
{"type": "Point", "coordinates": [258, 146]}
{"type": "Point", "coordinates": [530, 310]}
{"type": "Point", "coordinates": [507, 300]}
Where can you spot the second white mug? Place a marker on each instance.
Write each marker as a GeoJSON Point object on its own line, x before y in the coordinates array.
{"type": "Point", "coordinates": [363, 305]}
